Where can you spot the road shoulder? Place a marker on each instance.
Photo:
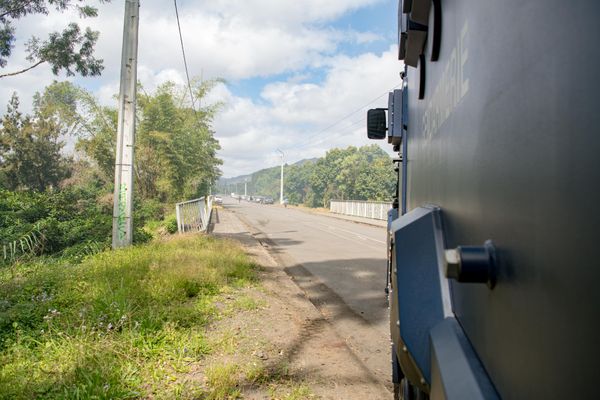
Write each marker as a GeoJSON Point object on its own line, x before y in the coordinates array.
{"type": "Point", "coordinates": [300, 344]}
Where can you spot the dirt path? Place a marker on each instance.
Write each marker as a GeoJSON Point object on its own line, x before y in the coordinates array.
{"type": "Point", "coordinates": [294, 348]}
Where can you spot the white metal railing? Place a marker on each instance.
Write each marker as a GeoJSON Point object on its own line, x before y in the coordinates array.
{"type": "Point", "coordinates": [357, 208]}
{"type": "Point", "coordinates": [194, 215]}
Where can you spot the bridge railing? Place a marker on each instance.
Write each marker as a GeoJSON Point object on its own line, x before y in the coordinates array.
{"type": "Point", "coordinates": [194, 215]}
{"type": "Point", "coordinates": [357, 208]}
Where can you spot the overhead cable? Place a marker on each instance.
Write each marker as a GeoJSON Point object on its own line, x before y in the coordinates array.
{"type": "Point", "coordinates": [361, 108]}
{"type": "Point", "coordinates": [187, 74]}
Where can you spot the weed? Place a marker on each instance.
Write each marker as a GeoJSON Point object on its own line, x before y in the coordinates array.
{"type": "Point", "coordinates": [246, 303]}
{"type": "Point", "coordinates": [227, 342]}
{"type": "Point", "coordinates": [122, 324]}
{"type": "Point", "coordinates": [301, 392]}
{"type": "Point", "coordinates": [291, 392]}
{"type": "Point", "coordinates": [222, 381]}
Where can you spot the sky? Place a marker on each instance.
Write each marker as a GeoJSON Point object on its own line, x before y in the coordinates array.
{"type": "Point", "coordinates": [299, 74]}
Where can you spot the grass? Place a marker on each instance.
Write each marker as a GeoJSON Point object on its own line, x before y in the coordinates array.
{"type": "Point", "coordinates": [225, 380]}
{"type": "Point", "coordinates": [121, 325]}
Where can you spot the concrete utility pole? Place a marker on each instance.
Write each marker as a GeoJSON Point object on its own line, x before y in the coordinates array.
{"type": "Point", "coordinates": [246, 187]}
{"type": "Point", "coordinates": [281, 188]}
{"type": "Point", "coordinates": [123, 196]}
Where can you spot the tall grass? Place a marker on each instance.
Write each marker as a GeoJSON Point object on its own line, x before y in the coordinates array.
{"type": "Point", "coordinates": [122, 324]}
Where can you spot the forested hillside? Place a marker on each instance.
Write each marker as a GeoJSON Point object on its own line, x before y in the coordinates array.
{"type": "Point", "coordinates": [57, 167]}
{"type": "Point", "coordinates": [364, 173]}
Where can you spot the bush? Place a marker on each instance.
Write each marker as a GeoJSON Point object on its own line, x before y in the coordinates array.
{"type": "Point", "coordinates": [73, 222]}
{"type": "Point", "coordinates": [148, 210]}
{"type": "Point", "coordinates": [65, 218]}
{"type": "Point", "coordinates": [171, 224]}
{"type": "Point", "coordinates": [141, 236]}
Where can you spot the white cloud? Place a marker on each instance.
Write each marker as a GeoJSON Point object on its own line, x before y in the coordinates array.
{"type": "Point", "coordinates": [291, 13]}
{"type": "Point", "coordinates": [224, 38]}
{"type": "Point", "coordinates": [238, 40]}
{"type": "Point", "coordinates": [296, 113]}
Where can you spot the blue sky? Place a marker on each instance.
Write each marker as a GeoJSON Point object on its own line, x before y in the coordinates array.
{"type": "Point", "coordinates": [375, 18]}
{"type": "Point", "coordinates": [292, 68]}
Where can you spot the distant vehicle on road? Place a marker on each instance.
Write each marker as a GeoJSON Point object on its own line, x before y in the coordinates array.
{"type": "Point", "coordinates": [268, 200]}
{"type": "Point", "coordinates": [218, 200]}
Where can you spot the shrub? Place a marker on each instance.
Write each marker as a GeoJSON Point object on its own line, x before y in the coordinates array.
{"type": "Point", "coordinates": [65, 218]}
{"type": "Point", "coordinates": [171, 224]}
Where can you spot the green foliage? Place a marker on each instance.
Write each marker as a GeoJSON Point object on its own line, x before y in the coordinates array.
{"type": "Point", "coordinates": [364, 173]}
{"type": "Point", "coordinates": [69, 221]}
{"type": "Point", "coordinates": [148, 210]}
{"type": "Point", "coordinates": [69, 50]}
{"type": "Point", "coordinates": [71, 207]}
{"type": "Point", "coordinates": [30, 149]}
{"type": "Point", "coordinates": [171, 224]}
{"type": "Point", "coordinates": [121, 324]}
{"type": "Point", "coordinates": [54, 205]}
{"type": "Point", "coordinates": [175, 146]}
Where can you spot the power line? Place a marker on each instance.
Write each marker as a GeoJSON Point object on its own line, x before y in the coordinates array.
{"type": "Point", "coordinates": [322, 140]}
{"type": "Point", "coordinates": [187, 74]}
{"type": "Point", "coordinates": [303, 142]}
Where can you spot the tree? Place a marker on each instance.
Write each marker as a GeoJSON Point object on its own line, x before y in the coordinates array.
{"type": "Point", "coordinates": [81, 117]}
{"type": "Point", "coordinates": [364, 173]}
{"type": "Point", "coordinates": [176, 150]}
{"type": "Point", "coordinates": [30, 155]}
{"type": "Point", "coordinates": [297, 182]}
{"type": "Point", "coordinates": [70, 50]}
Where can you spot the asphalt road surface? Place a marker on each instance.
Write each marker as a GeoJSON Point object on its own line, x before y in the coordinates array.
{"type": "Point", "coordinates": [340, 264]}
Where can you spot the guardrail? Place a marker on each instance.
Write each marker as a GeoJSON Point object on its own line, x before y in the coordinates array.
{"type": "Point", "coordinates": [194, 215]}
{"type": "Point", "coordinates": [365, 209]}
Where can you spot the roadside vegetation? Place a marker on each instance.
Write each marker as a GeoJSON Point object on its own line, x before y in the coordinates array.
{"type": "Point", "coordinates": [57, 169]}
{"type": "Point", "coordinates": [123, 324]}
{"type": "Point", "coordinates": [151, 321]}
{"type": "Point", "coordinates": [363, 173]}
{"type": "Point", "coordinates": [79, 321]}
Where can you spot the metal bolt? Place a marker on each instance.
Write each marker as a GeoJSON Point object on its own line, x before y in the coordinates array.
{"type": "Point", "coordinates": [473, 264]}
{"type": "Point", "coordinates": [452, 264]}
{"type": "Point", "coordinates": [398, 323]}
{"type": "Point", "coordinates": [404, 349]}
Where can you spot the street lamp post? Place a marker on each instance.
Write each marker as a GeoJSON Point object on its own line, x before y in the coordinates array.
{"type": "Point", "coordinates": [281, 181]}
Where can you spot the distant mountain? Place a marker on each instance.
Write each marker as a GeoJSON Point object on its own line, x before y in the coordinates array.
{"type": "Point", "coordinates": [242, 178]}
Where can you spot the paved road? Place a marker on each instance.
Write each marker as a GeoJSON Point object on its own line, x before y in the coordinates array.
{"type": "Point", "coordinates": [340, 264]}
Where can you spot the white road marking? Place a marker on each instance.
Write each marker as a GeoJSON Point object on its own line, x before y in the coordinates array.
{"type": "Point", "coordinates": [363, 237]}
{"type": "Point", "coordinates": [331, 230]}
